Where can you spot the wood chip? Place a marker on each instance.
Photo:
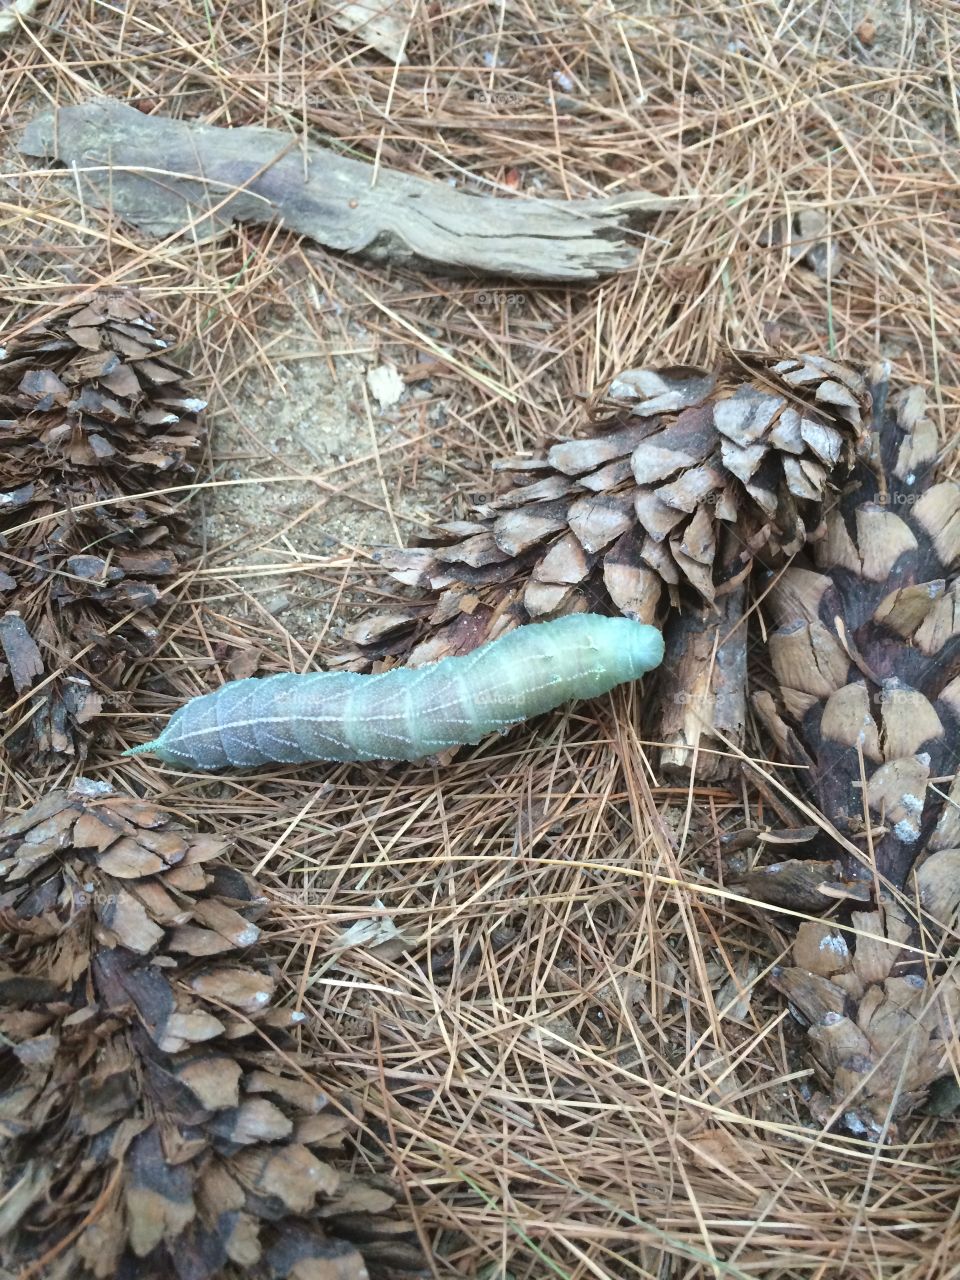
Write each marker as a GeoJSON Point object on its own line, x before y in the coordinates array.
{"type": "Point", "coordinates": [20, 650]}
{"type": "Point", "coordinates": [268, 179]}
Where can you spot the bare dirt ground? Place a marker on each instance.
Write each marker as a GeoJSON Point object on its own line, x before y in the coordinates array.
{"type": "Point", "coordinates": [313, 415]}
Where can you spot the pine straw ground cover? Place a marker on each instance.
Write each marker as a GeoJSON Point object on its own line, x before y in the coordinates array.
{"type": "Point", "coordinates": [574, 1065]}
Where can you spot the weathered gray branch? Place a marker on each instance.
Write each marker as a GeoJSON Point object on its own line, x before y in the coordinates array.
{"type": "Point", "coordinates": [168, 176]}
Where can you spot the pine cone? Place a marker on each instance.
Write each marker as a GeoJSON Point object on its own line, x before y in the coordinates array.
{"type": "Point", "coordinates": [93, 415]}
{"type": "Point", "coordinates": [689, 479]}
{"type": "Point", "coordinates": [866, 650]}
{"type": "Point", "coordinates": [150, 1127]}
{"type": "Point", "coordinates": [705, 477]}
{"type": "Point", "coordinates": [866, 660]}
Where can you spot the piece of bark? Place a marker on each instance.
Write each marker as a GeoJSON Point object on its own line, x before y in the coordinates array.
{"type": "Point", "coordinates": [704, 689]}
{"type": "Point", "coordinates": [20, 650]}
{"type": "Point", "coordinates": [802, 884]}
{"type": "Point", "coordinates": [169, 177]}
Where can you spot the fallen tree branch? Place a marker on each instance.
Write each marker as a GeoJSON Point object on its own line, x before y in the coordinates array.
{"type": "Point", "coordinates": [170, 176]}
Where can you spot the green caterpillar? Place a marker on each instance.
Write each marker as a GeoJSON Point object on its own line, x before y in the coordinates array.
{"type": "Point", "coordinates": [408, 713]}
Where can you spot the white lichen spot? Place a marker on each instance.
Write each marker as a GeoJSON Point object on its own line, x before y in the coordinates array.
{"type": "Point", "coordinates": [905, 831]}
{"type": "Point", "coordinates": [835, 943]}
{"type": "Point", "coordinates": [854, 1123]}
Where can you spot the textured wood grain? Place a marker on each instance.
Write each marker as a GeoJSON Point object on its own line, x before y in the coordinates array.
{"type": "Point", "coordinates": [171, 177]}
{"type": "Point", "coordinates": [406, 714]}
